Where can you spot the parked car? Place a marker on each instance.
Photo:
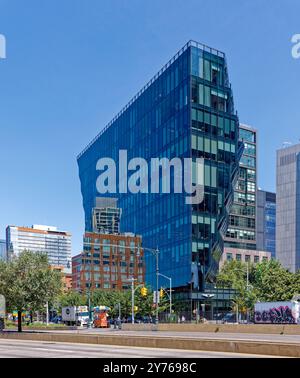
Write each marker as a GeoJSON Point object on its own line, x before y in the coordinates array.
{"type": "Point", "coordinates": [229, 318]}
{"type": "Point", "coordinates": [136, 320]}
{"type": "Point", "coordinates": [147, 319]}
{"type": "Point", "coordinates": [218, 316]}
{"type": "Point", "coordinates": [57, 319]}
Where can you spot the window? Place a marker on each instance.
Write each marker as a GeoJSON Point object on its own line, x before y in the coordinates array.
{"type": "Point", "coordinates": [251, 187]}
{"type": "Point", "coordinates": [228, 256]}
{"type": "Point", "coordinates": [239, 257]}
{"type": "Point", "coordinates": [247, 135]}
{"type": "Point", "coordinates": [247, 258]}
{"type": "Point", "coordinates": [256, 259]}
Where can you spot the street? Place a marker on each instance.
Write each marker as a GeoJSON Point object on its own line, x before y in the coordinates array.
{"type": "Point", "coordinates": [198, 335]}
{"type": "Point", "coordinates": [40, 349]}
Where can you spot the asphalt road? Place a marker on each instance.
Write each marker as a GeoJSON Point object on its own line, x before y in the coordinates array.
{"type": "Point", "coordinates": [40, 349]}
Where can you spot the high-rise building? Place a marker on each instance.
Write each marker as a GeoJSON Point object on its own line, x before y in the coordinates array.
{"type": "Point", "coordinates": [106, 216]}
{"type": "Point", "coordinates": [38, 238]}
{"type": "Point", "coordinates": [185, 111]}
{"type": "Point", "coordinates": [288, 207]}
{"type": "Point", "coordinates": [3, 254]}
{"type": "Point", "coordinates": [241, 233]}
{"type": "Point", "coordinates": [266, 221]}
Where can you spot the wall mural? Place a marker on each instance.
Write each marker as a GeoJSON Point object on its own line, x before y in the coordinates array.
{"type": "Point", "coordinates": [277, 315]}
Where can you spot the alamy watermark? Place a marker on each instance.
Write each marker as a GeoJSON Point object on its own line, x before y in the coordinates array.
{"type": "Point", "coordinates": [159, 175]}
{"type": "Point", "coordinates": [296, 46]}
{"type": "Point", "coordinates": [2, 47]}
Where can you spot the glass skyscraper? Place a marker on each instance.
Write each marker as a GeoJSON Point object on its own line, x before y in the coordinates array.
{"type": "Point", "coordinates": [266, 221]}
{"type": "Point", "coordinates": [241, 233]}
{"type": "Point", "coordinates": [185, 111]}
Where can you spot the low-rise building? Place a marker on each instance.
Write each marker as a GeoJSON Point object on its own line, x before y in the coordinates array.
{"type": "Point", "coordinates": [244, 255]}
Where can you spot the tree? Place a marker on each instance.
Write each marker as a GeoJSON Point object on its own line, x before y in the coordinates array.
{"type": "Point", "coordinates": [71, 298]}
{"type": "Point", "coordinates": [268, 281]}
{"type": "Point", "coordinates": [28, 283]}
{"type": "Point", "coordinates": [275, 283]}
{"type": "Point", "coordinates": [234, 275]}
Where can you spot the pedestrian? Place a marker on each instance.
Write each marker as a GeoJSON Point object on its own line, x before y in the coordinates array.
{"type": "Point", "coordinates": [183, 319]}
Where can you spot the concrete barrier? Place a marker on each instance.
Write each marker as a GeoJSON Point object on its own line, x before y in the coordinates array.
{"type": "Point", "coordinates": [217, 345]}
{"type": "Point", "coordinates": [275, 329]}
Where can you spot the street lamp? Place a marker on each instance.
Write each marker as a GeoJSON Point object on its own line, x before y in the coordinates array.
{"type": "Point", "coordinates": [133, 290]}
{"type": "Point", "coordinates": [170, 295]}
{"type": "Point", "coordinates": [247, 287]}
{"type": "Point", "coordinates": [154, 252]}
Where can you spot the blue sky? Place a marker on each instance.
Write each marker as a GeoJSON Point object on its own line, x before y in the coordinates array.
{"type": "Point", "coordinates": [72, 64]}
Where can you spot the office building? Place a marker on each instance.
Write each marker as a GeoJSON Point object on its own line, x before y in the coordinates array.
{"type": "Point", "coordinates": [3, 254]}
{"type": "Point", "coordinates": [288, 207]}
{"type": "Point", "coordinates": [107, 262]}
{"type": "Point", "coordinates": [266, 221]}
{"type": "Point", "coordinates": [56, 244]}
{"type": "Point", "coordinates": [241, 233]}
{"type": "Point", "coordinates": [106, 216]}
{"type": "Point", "coordinates": [185, 111]}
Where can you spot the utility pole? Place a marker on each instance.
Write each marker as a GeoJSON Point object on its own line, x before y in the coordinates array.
{"type": "Point", "coordinates": [132, 301]}
{"type": "Point", "coordinates": [47, 313]}
{"type": "Point", "coordinates": [170, 295]}
{"type": "Point", "coordinates": [132, 298]}
{"type": "Point", "coordinates": [157, 274]}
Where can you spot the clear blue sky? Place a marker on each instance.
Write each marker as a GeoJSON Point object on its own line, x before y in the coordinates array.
{"type": "Point", "coordinates": [72, 64]}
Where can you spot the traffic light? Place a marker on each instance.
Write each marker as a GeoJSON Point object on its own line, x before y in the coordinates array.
{"type": "Point", "coordinates": [144, 291]}
{"type": "Point", "coordinates": [161, 293]}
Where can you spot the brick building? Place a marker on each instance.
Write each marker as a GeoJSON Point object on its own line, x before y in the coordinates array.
{"type": "Point", "coordinates": [108, 261]}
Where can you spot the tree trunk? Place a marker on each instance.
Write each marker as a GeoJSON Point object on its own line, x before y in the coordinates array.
{"type": "Point", "coordinates": [19, 321]}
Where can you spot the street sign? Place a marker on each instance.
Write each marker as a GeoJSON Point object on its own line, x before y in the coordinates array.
{"type": "Point", "coordinates": [2, 306]}
{"type": "Point", "coordinates": [155, 294]}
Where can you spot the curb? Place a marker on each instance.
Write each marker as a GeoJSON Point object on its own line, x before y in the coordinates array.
{"type": "Point", "coordinates": [231, 346]}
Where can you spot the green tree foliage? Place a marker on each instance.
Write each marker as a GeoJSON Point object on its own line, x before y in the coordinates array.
{"type": "Point", "coordinates": [268, 281]}
{"type": "Point", "coordinates": [112, 299]}
{"type": "Point", "coordinates": [275, 283]}
{"type": "Point", "coordinates": [71, 298]}
{"type": "Point", "coordinates": [27, 282]}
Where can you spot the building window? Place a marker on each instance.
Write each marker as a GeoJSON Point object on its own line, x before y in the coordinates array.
{"type": "Point", "coordinates": [247, 258]}
{"type": "Point", "coordinates": [228, 256]}
{"type": "Point", "coordinates": [256, 259]}
{"type": "Point", "coordinates": [239, 257]}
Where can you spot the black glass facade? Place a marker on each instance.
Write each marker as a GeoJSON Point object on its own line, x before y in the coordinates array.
{"type": "Point", "coordinates": [185, 111]}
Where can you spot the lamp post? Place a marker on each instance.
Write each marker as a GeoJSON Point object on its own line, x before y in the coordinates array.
{"type": "Point", "coordinates": [133, 290]}
{"type": "Point", "coordinates": [247, 287]}
{"type": "Point", "coordinates": [170, 295]}
{"type": "Point", "coordinates": [154, 252]}
{"type": "Point", "coordinates": [89, 325]}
